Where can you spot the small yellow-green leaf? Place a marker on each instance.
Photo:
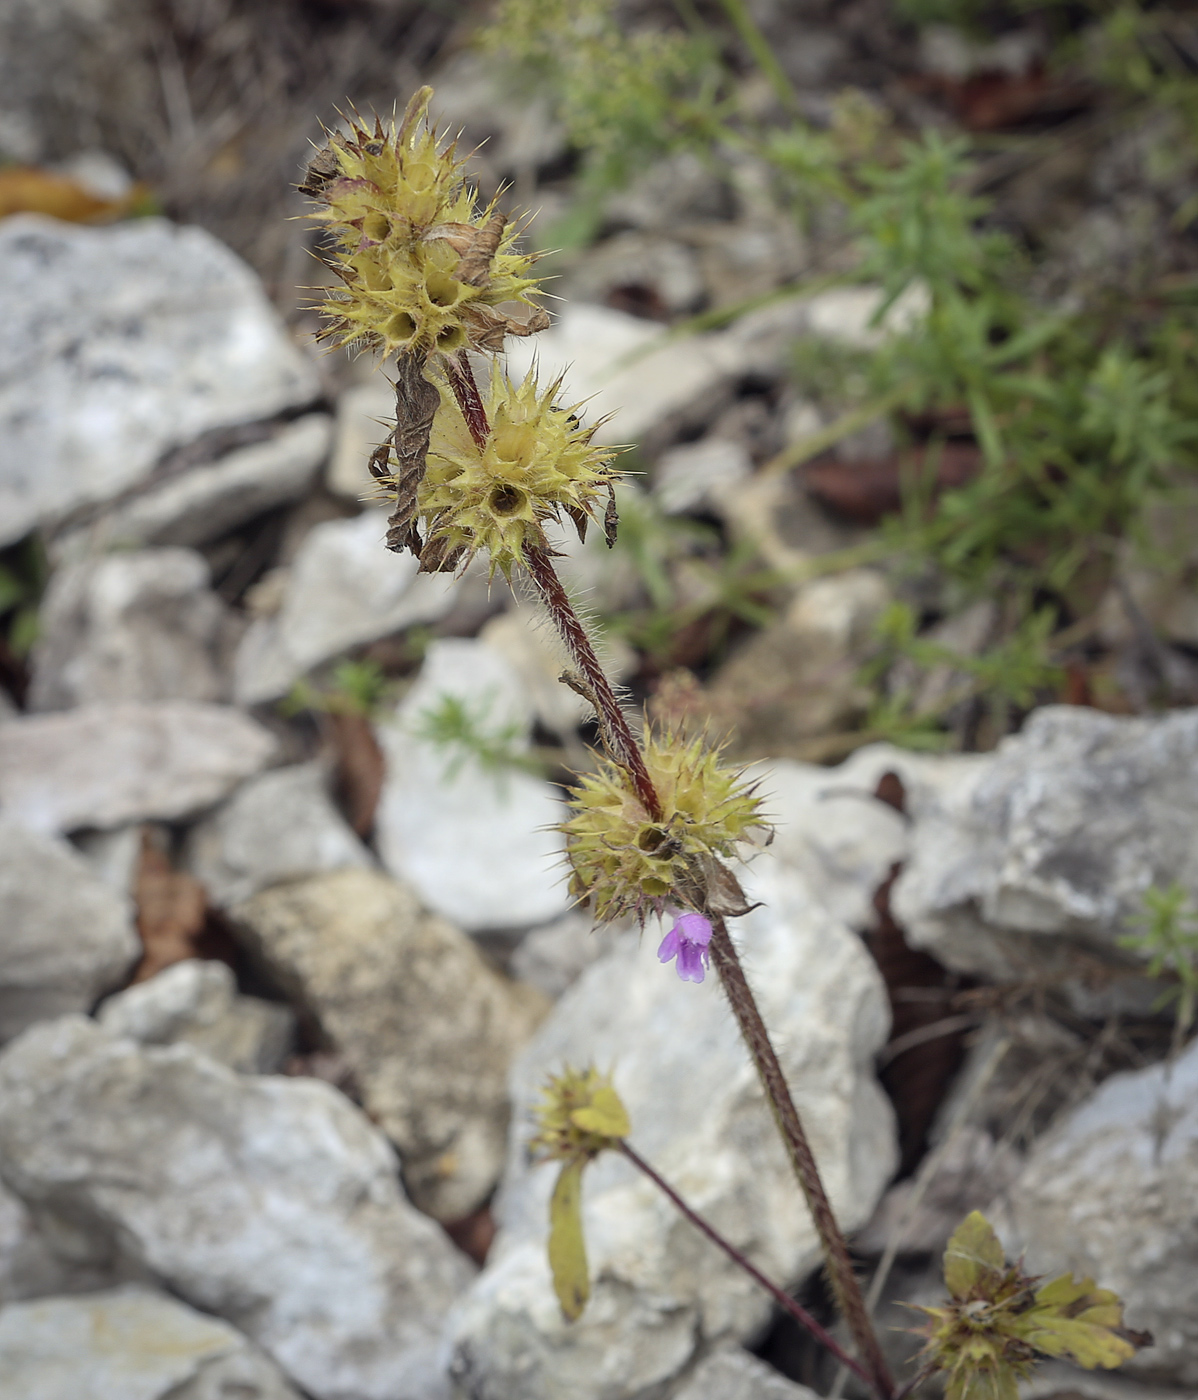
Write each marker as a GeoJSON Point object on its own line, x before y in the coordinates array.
{"type": "Point", "coordinates": [605, 1114]}
{"type": "Point", "coordinates": [973, 1252]}
{"type": "Point", "coordinates": [567, 1248]}
{"type": "Point", "coordinates": [1076, 1321]}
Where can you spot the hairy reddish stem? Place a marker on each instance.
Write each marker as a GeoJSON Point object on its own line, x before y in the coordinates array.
{"type": "Point", "coordinates": [796, 1310]}
{"type": "Point", "coordinates": [790, 1126]}
{"type": "Point", "coordinates": [620, 739]}
{"type": "Point", "coordinates": [627, 752]}
{"type": "Point", "coordinates": [470, 401]}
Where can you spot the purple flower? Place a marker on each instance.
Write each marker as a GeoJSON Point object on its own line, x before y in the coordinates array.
{"type": "Point", "coordinates": [687, 942]}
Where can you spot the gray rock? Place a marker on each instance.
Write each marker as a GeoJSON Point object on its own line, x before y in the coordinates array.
{"type": "Point", "coordinates": [123, 343]}
{"type": "Point", "coordinates": [799, 678]}
{"type": "Point", "coordinates": [1109, 1192]}
{"type": "Point", "coordinates": [477, 843]}
{"type": "Point", "coordinates": [737, 1375]}
{"type": "Point", "coordinates": [696, 474]}
{"type": "Point", "coordinates": [196, 1003]}
{"type": "Point", "coordinates": [665, 266]}
{"type": "Point", "coordinates": [114, 855]}
{"type": "Point", "coordinates": [128, 1344]}
{"type": "Point", "coordinates": [660, 1292]}
{"type": "Point", "coordinates": [428, 1029]}
{"type": "Point", "coordinates": [66, 936]}
{"type": "Point", "coordinates": [361, 411]}
{"type": "Point", "coordinates": [202, 502]}
{"type": "Point", "coordinates": [272, 1202]}
{"type": "Point", "coordinates": [108, 765]}
{"type": "Point", "coordinates": [1038, 858]}
{"type": "Point", "coordinates": [344, 588]}
{"type": "Point", "coordinates": [143, 626]}
{"type": "Point", "coordinates": [554, 956]}
{"type": "Point", "coordinates": [29, 1268]}
{"type": "Point", "coordinates": [276, 827]}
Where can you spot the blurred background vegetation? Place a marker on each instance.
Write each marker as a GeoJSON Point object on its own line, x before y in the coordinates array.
{"type": "Point", "coordinates": [1020, 179]}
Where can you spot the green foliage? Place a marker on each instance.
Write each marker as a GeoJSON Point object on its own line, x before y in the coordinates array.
{"type": "Point", "coordinates": [580, 1116]}
{"type": "Point", "coordinates": [624, 96]}
{"type": "Point", "coordinates": [997, 1323]}
{"type": "Point", "coordinates": [1083, 410]}
{"type": "Point", "coordinates": [1168, 936]}
{"type": "Point", "coordinates": [356, 688]}
{"type": "Point", "coordinates": [23, 575]}
{"type": "Point", "coordinates": [466, 732]}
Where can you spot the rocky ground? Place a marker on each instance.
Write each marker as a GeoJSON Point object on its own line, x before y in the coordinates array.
{"type": "Point", "coordinates": [286, 950]}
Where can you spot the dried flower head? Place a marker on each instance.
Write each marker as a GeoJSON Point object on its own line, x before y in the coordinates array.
{"type": "Point", "coordinates": [998, 1322]}
{"type": "Point", "coordinates": [536, 463]}
{"type": "Point", "coordinates": [626, 862]}
{"type": "Point", "coordinates": [422, 270]}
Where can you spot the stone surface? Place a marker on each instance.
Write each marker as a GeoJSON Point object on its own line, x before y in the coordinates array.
{"type": "Point", "coordinates": [797, 680]}
{"type": "Point", "coordinates": [29, 1268]}
{"type": "Point", "coordinates": [661, 1293]}
{"type": "Point", "coordinates": [1037, 858]}
{"type": "Point", "coordinates": [123, 343]}
{"type": "Point", "coordinates": [554, 956]}
{"type": "Point", "coordinates": [128, 1344]}
{"type": "Point", "coordinates": [345, 587]}
{"type": "Point", "coordinates": [108, 765]}
{"type": "Point", "coordinates": [737, 1375]}
{"type": "Point", "coordinates": [138, 626]}
{"type": "Point", "coordinates": [475, 841]}
{"type": "Point", "coordinates": [197, 1003]}
{"type": "Point", "coordinates": [198, 503]}
{"type": "Point", "coordinates": [526, 639]}
{"type": "Point", "coordinates": [1109, 1192]}
{"type": "Point", "coordinates": [269, 1201]}
{"type": "Point", "coordinates": [275, 827]}
{"type": "Point", "coordinates": [697, 474]}
{"type": "Point", "coordinates": [66, 937]}
{"type": "Point", "coordinates": [428, 1029]}
{"type": "Point", "coordinates": [361, 411]}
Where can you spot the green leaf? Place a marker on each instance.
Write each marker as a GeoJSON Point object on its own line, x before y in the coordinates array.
{"type": "Point", "coordinates": [993, 1382]}
{"type": "Point", "coordinates": [605, 1114]}
{"type": "Point", "coordinates": [567, 1248]}
{"type": "Point", "coordinates": [1076, 1322]}
{"type": "Point", "coordinates": [973, 1252]}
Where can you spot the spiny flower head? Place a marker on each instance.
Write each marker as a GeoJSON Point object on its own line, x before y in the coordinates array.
{"type": "Point", "coordinates": [579, 1116]}
{"type": "Point", "coordinates": [999, 1322]}
{"type": "Point", "coordinates": [422, 270]}
{"type": "Point", "coordinates": [626, 862]}
{"type": "Point", "coordinates": [537, 462]}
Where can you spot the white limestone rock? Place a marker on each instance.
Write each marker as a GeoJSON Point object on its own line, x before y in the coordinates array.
{"type": "Point", "coordinates": [1109, 1192]}
{"type": "Point", "coordinates": [344, 588]}
{"type": "Point", "coordinates": [428, 1028]}
{"type": "Point", "coordinates": [1036, 859]}
{"type": "Point", "coordinates": [205, 501]}
{"type": "Point", "coordinates": [66, 937]}
{"type": "Point", "coordinates": [122, 343]}
{"type": "Point", "coordinates": [111, 764]}
{"type": "Point", "coordinates": [476, 842]}
{"type": "Point", "coordinates": [733, 1374]}
{"type": "Point", "coordinates": [660, 1292]}
{"type": "Point", "coordinates": [130, 626]}
{"type": "Point", "coordinates": [196, 1002]}
{"type": "Point", "coordinates": [279, 826]}
{"type": "Point", "coordinates": [129, 1343]}
{"type": "Point", "coordinates": [272, 1202]}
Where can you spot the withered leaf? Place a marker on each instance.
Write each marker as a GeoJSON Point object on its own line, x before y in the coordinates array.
{"type": "Point", "coordinates": [724, 895]}
{"type": "Point", "coordinates": [416, 403]}
{"type": "Point", "coordinates": [322, 168]}
{"type": "Point", "coordinates": [475, 266]}
{"type": "Point", "coordinates": [580, 519]}
{"type": "Point", "coordinates": [611, 518]}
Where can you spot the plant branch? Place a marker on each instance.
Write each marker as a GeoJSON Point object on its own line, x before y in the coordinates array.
{"type": "Point", "coordinates": [796, 1310]}
{"type": "Point", "coordinates": [626, 751]}
{"type": "Point", "coordinates": [619, 737]}
{"type": "Point", "coordinates": [786, 1115]}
